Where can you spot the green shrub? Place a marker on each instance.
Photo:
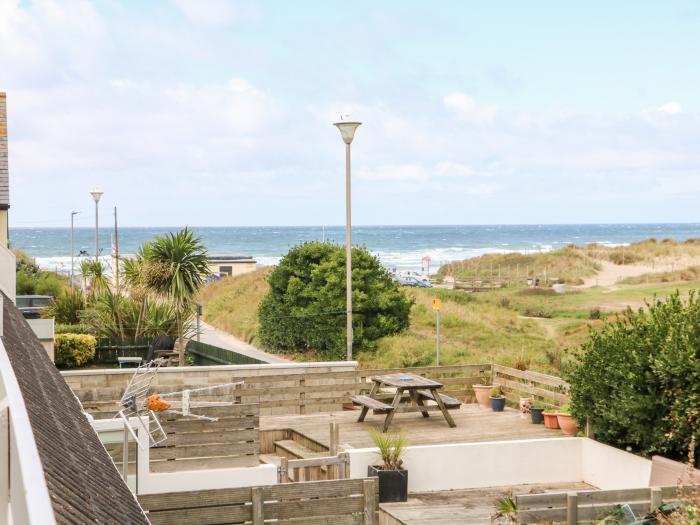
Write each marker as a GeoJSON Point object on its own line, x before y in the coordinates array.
{"type": "Point", "coordinates": [72, 350]}
{"type": "Point", "coordinates": [638, 378]}
{"type": "Point", "coordinates": [66, 307]}
{"type": "Point", "coordinates": [305, 307]}
{"type": "Point", "coordinates": [496, 392]}
{"type": "Point", "coordinates": [594, 313]}
{"type": "Point", "coordinates": [61, 328]}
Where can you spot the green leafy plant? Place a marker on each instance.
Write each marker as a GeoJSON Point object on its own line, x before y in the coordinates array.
{"type": "Point", "coordinates": [566, 409]}
{"type": "Point", "coordinates": [496, 392]}
{"type": "Point", "coordinates": [304, 309]}
{"type": "Point", "coordinates": [67, 307]}
{"type": "Point", "coordinates": [71, 350]}
{"type": "Point", "coordinates": [507, 511]}
{"type": "Point", "coordinates": [391, 446]}
{"type": "Point", "coordinates": [638, 380]}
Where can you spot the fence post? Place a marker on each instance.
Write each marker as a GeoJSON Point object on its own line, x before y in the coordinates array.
{"type": "Point", "coordinates": [284, 470]}
{"type": "Point", "coordinates": [369, 493]}
{"type": "Point", "coordinates": [655, 499]}
{"type": "Point", "coordinates": [258, 503]}
{"type": "Point", "coordinates": [302, 397]}
{"type": "Point", "coordinates": [334, 470]}
{"type": "Point", "coordinates": [589, 429]}
{"type": "Point", "coordinates": [571, 508]}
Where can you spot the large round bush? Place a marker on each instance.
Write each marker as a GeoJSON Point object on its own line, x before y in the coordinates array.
{"type": "Point", "coordinates": [305, 307]}
{"type": "Point", "coordinates": [638, 378]}
{"type": "Point", "coordinates": [74, 349]}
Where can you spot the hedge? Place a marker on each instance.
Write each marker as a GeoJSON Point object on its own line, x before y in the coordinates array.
{"type": "Point", "coordinates": [71, 350]}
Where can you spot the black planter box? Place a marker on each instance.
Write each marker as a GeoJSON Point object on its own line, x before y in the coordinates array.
{"type": "Point", "coordinates": [393, 484]}
{"type": "Point", "coordinates": [537, 416]}
{"type": "Point", "coordinates": [498, 404]}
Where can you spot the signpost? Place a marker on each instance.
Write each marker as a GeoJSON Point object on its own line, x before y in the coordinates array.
{"type": "Point", "coordinates": [436, 306]}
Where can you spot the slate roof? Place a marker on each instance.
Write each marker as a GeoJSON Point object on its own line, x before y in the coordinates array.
{"type": "Point", "coordinates": [83, 483]}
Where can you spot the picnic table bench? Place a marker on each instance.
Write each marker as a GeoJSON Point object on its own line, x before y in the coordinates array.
{"type": "Point", "coordinates": [419, 389]}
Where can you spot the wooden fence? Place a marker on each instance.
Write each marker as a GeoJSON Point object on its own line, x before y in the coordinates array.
{"type": "Point", "coordinates": [547, 390]}
{"type": "Point", "coordinates": [310, 391]}
{"type": "Point", "coordinates": [230, 441]}
{"type": "Point", "coordinates": [342, 502]}
{"type": "Point", "coordinates": [589, 506]}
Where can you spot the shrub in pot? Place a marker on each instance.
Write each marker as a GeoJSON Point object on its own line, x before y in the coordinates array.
{"type": "Point", "coordinates": [566, 421]}
{"type": "Point", "coordinates": [498, 400]}
{"type": "Point", "coordinates": [393, 478]}
{"type": "Point", "coordinates": [536, 414]}
{"type": "Point", "coordinates": [550, 419]}
{"type": "Point", "coordinates": [481, 392]}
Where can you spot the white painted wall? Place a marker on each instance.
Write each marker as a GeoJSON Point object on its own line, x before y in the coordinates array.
{"type": "Point", "coordinates": [609, 468]}
{"type": "Point", "coordinates": [500, 463]}
{"type": "Point", "coordinates": [490, 464]}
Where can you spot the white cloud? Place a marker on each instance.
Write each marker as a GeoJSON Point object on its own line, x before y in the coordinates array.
{"type": "Point", "coordinates": [671, 108]}
{"type": "Point", "coordinates": [208, 12]}
{"type": "Point", "coordinates": [467, 108]}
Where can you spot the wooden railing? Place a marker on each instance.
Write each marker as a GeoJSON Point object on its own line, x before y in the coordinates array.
{"type": "Point", "coordinates": [347, 501]}
{"type": "Point", "coordinates": [230, 441]}
{"type": "Point", "coordinates": [550, 391]}
{"type": "Point", "coordinates": [591, 505]}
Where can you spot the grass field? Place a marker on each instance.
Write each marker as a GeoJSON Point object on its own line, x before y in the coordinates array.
{"type": "Point", "coordinates": [514, 326]}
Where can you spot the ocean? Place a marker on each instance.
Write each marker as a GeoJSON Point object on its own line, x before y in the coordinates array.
{"type": "Point", "coordinates": [400, 247]}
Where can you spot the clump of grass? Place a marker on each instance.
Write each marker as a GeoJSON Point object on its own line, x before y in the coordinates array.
{"type": "Point", "coordinates": [391, 445]}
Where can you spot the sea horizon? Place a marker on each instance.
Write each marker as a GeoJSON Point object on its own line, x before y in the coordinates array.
{"type": "Point", "coordinates": [402, 247]}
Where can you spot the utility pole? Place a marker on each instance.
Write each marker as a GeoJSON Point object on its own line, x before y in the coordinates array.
{"type": "Point", "coordinates": [72, 250]}
{"type": "Point", "coordinates": [436, 307]}
{"type": "Point", "coordinates": [116, 249]}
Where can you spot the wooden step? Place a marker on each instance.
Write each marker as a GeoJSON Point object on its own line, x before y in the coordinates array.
{"type": "Point", "coordinates": [450, 402]}
{"type": "Point", "coordinates": [374, 404]}
{"type": "Point", "coordinates": [296, 449]}
{"type": "Point", "coordinates": [270, 459]}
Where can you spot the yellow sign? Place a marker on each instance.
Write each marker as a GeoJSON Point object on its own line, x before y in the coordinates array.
{"type": "Point", "coordinates": [436, 304]}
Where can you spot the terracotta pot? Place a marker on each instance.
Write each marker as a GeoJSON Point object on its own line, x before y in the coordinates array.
{"type": "Point", "coordinates": [550, 420]}
{"type": "Point", "coordinates": [567, 423]}
{"type": "Point", "coordinates": [483, 395]}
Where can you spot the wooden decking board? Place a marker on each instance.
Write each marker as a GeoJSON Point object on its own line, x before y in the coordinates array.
{"type": "Point", "coordinates": [474, 424]}
{"type": "Point", "coordinates": [453, 507]}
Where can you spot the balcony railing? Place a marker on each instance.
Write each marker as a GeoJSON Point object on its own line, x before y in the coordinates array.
{"type": "Point", "coordinates": [24, 497]}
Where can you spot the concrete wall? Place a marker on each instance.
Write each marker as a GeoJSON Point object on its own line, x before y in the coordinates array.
{"type": "Point", "coordinates": [105, 386]}
{"type": "Point", "coordinates": [501, 463]}
{"type": "Point", "coordinates": [44, 330]}
{"type": "Point", "coordinates": [609, 468]}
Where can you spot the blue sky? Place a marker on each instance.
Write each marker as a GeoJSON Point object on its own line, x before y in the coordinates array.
{"type": "Point", "coordinates": [214, 112]}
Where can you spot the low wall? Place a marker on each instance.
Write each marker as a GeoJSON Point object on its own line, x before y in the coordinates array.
{"type": "Point", "coordinates": [502, 463]}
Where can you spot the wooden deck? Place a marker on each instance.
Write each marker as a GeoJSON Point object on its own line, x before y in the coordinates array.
{"type": "Point", "coordinates": [474, 424]}
{"type": "Point", "coordinates": [471, 506]}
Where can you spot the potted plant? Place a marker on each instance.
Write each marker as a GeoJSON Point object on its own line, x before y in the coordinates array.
{"type": "Point", "coordinates": [536, 414]}
{"type": "Point", "coordinates": [393, 478]}
{"type": "Point", "coordinates": [481, 391]}
{"type": "Point", "coordinates": [566, 421]}
{"type": "Point", "coordinates": [550, 419]}
{"type": "Point", "coordinates": [498, 400]}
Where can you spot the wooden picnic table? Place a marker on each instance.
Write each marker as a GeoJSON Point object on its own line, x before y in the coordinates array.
{"type": "Point", "coordinates": [419, 389]}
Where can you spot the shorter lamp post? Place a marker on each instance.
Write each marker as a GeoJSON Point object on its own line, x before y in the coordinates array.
{"type": "Point", "coordinates": [97, 195]}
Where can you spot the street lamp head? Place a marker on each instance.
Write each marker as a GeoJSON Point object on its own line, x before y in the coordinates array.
{"type": "Point", "coordinates": [96, 195]}
{"type": "Point", "coordinates": [347, 129]}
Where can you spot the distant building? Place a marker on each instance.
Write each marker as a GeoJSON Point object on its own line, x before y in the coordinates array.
{"type": "Point", "coordinates": [226, 265]}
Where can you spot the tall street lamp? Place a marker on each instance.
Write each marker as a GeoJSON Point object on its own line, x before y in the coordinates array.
{"type": "Point", "coordinates": [97, 195]}
{"type": "Point", "coordinates": [347, 132]}
{"type": "Point", "coordinates": [72, 250]}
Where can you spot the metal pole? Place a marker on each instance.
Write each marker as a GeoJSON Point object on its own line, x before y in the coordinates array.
{"type": "Point", "coordinates": [97, 232]}
{"type": "Point", "coordinates": [437, 339]}
{"type": "Point", "coordinates": [348, 253]}
{"type": "Point", "coordinates": [116, 248]}
{"type": "Point", "coordinates": [72, 250]}
{"type": "Point", "coordinates": [198, 309]}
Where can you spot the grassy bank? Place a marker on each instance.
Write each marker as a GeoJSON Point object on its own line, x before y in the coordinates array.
{"type": "Point", "coordinates": [515, 326]}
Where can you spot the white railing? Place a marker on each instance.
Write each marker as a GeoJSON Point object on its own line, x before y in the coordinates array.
{"type": "Point", "coordinates": [24, 497]}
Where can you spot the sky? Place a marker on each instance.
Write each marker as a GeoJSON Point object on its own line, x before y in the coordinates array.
{"type": "Point", "coordinates": [217, 112]}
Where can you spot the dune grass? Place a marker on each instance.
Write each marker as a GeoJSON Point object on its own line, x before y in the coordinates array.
{"type": "Point", "coordinates": [513, 326]}
{"type": "Point", "coordinates": [231, 304]}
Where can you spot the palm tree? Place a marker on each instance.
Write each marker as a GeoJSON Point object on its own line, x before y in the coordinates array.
{"type": "Point", "coordinates": [94, 279]}
{"type": "Point", "coordinates": [175, 268]}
